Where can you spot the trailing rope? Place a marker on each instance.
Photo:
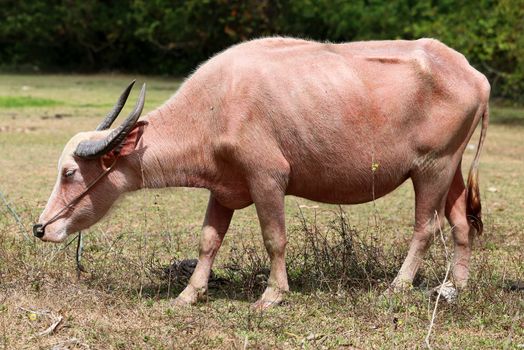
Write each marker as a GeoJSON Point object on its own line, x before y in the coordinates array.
{"type": "Point", "coordinates": [79, 249]}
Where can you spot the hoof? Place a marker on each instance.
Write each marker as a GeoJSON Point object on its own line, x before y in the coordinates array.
{"type": "Point", "coordinates": [180, 302]}
{"type": "Point", "coordinates": [261, 304]}
{"type": "Point", "coordinates": [188, 297]}
{"type": "Point", "coordinates": [271, 297]}
{"type": "Point", "coordinates": [446, 291]}
{"type": "Point", "coordinates": [398, 286]}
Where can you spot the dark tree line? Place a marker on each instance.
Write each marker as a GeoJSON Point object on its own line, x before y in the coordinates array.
{"type": "Point", "coordinates": [172, 37]}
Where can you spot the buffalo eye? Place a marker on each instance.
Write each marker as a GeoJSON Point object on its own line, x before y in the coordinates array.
{"type": "Point", "coordinates": [69, 173]}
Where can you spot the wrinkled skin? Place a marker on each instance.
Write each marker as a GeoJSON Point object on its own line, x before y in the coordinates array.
{"type": "Point", "coordinates": [277, 116]}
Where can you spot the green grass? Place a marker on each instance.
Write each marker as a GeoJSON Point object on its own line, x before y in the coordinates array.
{"type": "Point", "coordinates": [122, 301]}
{"type": "Point", "coordinates": [22, 101]}
{"type": "Point", "coordinates": [508, 115]}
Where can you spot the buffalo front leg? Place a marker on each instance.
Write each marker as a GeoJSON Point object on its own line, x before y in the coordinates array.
{"type": "Point", "coordinates": [214, 229]}
{"type": "Point", "coordinates": [269, 202]}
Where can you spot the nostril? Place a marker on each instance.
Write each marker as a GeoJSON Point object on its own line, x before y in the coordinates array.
{"type": "Point", "coordinates": [38, 230]}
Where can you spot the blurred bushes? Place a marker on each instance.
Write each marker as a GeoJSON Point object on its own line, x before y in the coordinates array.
{"type": "Point", "coordinates": [172, 37]}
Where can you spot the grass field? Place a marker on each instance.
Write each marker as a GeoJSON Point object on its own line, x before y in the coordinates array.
{"type": "Point", "coordinates": [340, 259]}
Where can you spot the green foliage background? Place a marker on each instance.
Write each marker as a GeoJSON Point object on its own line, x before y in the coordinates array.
{"type": "Point", "coordinates": [173, 36]}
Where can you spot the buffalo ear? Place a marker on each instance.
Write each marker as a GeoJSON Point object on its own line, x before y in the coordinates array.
{"type": "Point", "coordinates": [127, 146]}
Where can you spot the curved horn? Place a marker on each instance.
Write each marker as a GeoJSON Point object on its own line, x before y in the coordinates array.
{"type": "Point", "coordinates": [92, 149]}
{"type": "Point", "coordinates": [111, 116]}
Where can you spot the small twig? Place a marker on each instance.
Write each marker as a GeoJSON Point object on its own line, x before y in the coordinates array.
{"type": "Point", "coordinates": [52, 327]}
{"type": "Point", "coordinates": [245, 343]}
{"type": "Point", "coordinates": [54, 318]}
{"type": "Point", "coordinates": [448, 268]}
{"type": "Point", "coordinates": [437, 219]}
{"type": "Point", "coordinates": [63, 345]}
{"type": "Point", "coordinates": [15, 215]}
{"type": "Point", "coordinates": [374, 168]}
{"type": "Point", "coordinates": [436, 306]}
{"type": "Point", "coordinates": [512, 330]}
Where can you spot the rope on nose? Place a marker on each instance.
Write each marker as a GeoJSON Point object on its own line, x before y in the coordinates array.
{"type": "Point", "coordinates": [38, 230]}
{"type": "Point", "coordinates": [74, 200]}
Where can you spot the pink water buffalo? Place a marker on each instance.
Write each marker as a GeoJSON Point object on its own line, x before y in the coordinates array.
{"type": "Point", "coordinates": [334, 123]}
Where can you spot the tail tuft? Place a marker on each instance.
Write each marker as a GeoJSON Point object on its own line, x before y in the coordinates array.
{"type": "Point", "coordinates": [474, 207]}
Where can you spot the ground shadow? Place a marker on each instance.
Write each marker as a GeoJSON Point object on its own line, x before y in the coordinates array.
{"type": "Point", "coordinates": [247, 283]}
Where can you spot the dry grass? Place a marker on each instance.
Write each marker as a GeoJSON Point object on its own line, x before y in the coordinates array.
{"type": "Point", "coordinates": [340, 260]}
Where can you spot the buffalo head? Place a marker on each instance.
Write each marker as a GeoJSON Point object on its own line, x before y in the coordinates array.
{"type": "Point", "coordinates": [93, 170]}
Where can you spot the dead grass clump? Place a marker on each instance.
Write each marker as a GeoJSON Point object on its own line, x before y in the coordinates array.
{"type": "Point", "coordinates": [339, 256]}
{"type": "Point", "coordinates": [336, 257]}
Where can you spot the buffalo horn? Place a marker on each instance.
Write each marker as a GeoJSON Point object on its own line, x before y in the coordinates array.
{"type": "Point", "coordinates": [111, 116]}
{"type": "Point", "coordinates": [92, 149]}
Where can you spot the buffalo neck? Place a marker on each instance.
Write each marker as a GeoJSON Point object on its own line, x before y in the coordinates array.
{"type": "Point", "coordinates": [174, 149]}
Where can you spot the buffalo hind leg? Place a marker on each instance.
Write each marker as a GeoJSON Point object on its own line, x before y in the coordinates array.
{"type": "Point", "coordinates": [214, 229]}
{"type": "Point", "coordinates": [463, 233]}
{"type": "Point", "coordinates": [269, 202]}
{"type": "Point", "coordinates": [430, 195]}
